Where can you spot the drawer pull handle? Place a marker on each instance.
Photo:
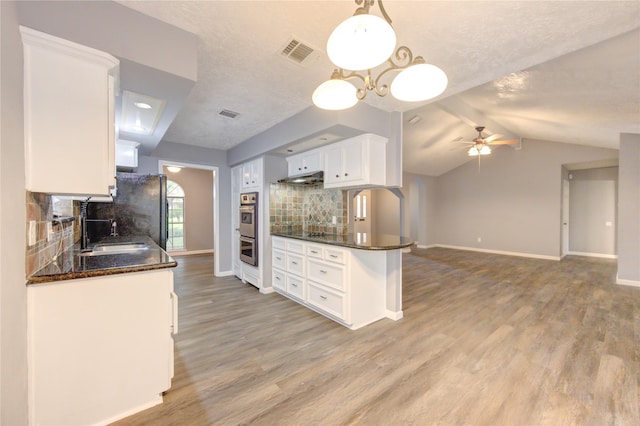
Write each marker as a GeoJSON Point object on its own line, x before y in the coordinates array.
{"type": "Point", "coordinates": [323, 271]}
{"type": "Point", "coordinates": [278, 258]}
{"type": "Point", "coordinates": [278, 278]}
{"type": "Point", "coordinates": [295, 285]}
{"type": "Point", "coordinates": [333, 255]}
{"type": "Point", "coordinates": [323, 297]}
{"type": "Point", "coordinates": [294, 263]}
{"type": "Point", "coordinates": [314, 251]}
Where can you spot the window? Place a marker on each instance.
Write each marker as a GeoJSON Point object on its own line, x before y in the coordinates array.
{"type": "Point", "coordinates": [361, 207]}
{"type": "Point", "coordinates": [175, 200]}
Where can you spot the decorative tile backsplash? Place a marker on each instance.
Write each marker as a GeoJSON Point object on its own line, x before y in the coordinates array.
{"type": "Point", "coordinates": [45, 250]}
{"type": "Point", "coordinates": [307, 209]}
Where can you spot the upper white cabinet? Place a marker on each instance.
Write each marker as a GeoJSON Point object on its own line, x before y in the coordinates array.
{"type": "Point", "coordinates": [307, 162]}
{"type": "Point", "coordinates": [355, 162]}
{"type": "Point", "coordinates": [126, 153]}
{"type": "Point", "coordinates": [252, 174]}
{"type": "Point", "coordinates": [69, 105]}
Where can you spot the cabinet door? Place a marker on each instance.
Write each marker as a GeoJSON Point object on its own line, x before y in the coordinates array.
{"type": "Point", "coordinates": [333, 165]}
{"type": "Point", "coordinates": [252, 174]}
{"type": "Point", "coordinates": [69, 99]}
{"type": "Point", "coordinates": [312, 162]}
{"type": "Point", "coordinates": [295, 166]}
{"type": "Point", "coordinates": [352, 156]}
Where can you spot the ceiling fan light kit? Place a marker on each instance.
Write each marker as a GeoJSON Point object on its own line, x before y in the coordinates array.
{"type": "Point", "coordinates": [363, 42]}
{"type": "Point", "coordinates": [480, 145]}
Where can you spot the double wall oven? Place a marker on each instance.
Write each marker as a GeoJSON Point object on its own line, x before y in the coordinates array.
{"type": "Point", "coordinates": [249, 228]}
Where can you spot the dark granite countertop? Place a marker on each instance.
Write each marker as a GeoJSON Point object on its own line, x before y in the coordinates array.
{"type": "Point", "coordinates": [70, 265]}
{"type": "Point", "coordinates": [364, 241]}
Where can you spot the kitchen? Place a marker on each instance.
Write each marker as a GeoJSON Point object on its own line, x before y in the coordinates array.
{"type": "Point", "coordinates": [166, 152]}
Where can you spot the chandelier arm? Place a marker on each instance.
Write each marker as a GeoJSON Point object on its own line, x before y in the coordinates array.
{"type": "Point", "coordinates": [361, 92]}
{"type": "Point", "coordinates": [384, 12]}
{"type": "Point", "coordinates": [403, 54]}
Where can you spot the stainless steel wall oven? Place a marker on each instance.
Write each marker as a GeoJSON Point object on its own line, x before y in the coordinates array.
{"type": "Point", "coordinates": [249, 228]}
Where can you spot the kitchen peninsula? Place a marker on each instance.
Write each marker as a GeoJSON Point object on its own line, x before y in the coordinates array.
{"type": "Point", "coordinates": [353, 279]}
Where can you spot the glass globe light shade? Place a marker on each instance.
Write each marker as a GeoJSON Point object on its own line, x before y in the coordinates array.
{"type": "Point", "coordinates": [334, 95]}
{"type": "Point", "coordinates": [485, 150]}
{"type": "Point", "coordinates": [473, 151]}
{"type": "Point", "coordinates": [419, 82]}
{"type": "Point", "coordinates": [361, 42]}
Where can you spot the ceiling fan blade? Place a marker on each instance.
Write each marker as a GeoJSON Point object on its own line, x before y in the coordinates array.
{"type": "Point", "coordinates": [507, 142]}
{"type": "Point", "coordinates": [492, 138]}
{"type": "Point", "coordinates": [458, 139]}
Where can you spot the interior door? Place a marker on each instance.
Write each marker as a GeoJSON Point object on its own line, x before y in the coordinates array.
{"type": "Point", "coordinates": [362, 212]}
{"type": "Point", "coordinates": [565, 217]}
{"type": "Point", "coordinates": [236, 186]}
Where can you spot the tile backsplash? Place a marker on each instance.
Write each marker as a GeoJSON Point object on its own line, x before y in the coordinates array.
{"type": "Point", "coordinates": [40, 210]}
{"type": "Point", "coordinates": [307, 209]}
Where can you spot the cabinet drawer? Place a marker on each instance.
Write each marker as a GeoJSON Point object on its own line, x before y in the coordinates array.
{"type": "Point", "coordinates": [295, 264]}
{"type": "Point", "coordinates": [331, 275]}
{"type": "Point", "coordinates": [278, 243]}
{"type": "Point", "coordinates": [295, 286]}
{"type": "Point", "coordinates": [314, 251]}
{"type": "Point", "coordinates": [333, 255]}
{"type": "Point", "coordinates": [327, 300]}
{"type": "Point", "coordinates": [295, 247]}
{"type": "Point", "coordinates": [279, 260]}
{"type": "Point", "coordinates": [278, 281]}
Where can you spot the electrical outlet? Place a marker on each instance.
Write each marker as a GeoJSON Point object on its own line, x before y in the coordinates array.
{"type": "Point", "coordinates": [49, 231]}
{"type": "Point", "coordinates": [479, 239]}
{"type": "Point", "coordinates": [33, 232]}
{"type": "Point", "coordinates": [333, 220]}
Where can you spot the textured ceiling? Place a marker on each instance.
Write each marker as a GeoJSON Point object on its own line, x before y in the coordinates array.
{"type": "Point", "coordinates": [537, 68]}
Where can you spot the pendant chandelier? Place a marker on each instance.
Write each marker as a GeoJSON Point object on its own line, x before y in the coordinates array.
{"type": "Point", "coordinates": [363, 42]}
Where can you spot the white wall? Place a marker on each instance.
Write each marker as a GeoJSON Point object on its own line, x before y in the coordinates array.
{"type": "Point", "coordinates": [593, 204]}
{"type": "Point", "coordinates": [629, 210]}
{"type": "Point", "coordinates": [513, 202]}
{"type": "Point", "coordinates": [420, 208]}
{"type": "Point", "coordinates": [13, 294]}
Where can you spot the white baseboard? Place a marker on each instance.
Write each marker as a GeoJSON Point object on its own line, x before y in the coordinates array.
{"type": "Point", "coordinates": [188, 253]}
{"type": "Point", "coordinates": [224, 274]}
{"type": "Point", "coordinates": [151, 403]}
{"type": "Point", "coordinates": [266, 290]}
{"type": "Point", "coordinates": [394, 315]}
{"type": "Point", "coordinates": [422, 246]}
{"type": "Point", "coordinates": [631, 283]}
{"type": "Point", "coordinates": [601, 255]}
{"type": "Point", "coordinates": [506, 253]}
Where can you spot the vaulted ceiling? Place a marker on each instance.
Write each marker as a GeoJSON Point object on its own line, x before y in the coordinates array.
{"type": "Point", "coordinates": [565, 71]}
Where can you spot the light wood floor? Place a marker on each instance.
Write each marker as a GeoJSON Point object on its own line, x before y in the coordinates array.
{"type": "Point", "coordinates": [485, 340]}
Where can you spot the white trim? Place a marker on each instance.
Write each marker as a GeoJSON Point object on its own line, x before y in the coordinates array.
{"type": "Point", "coordinates": [604, 256]}
{"type": "Point", "coordinates": [422, 246]}
{"type": "Point", "coordinates": [266, 290]}
{"type": "Point", "coordinates": [224, 274]}
{"type": "Point", "coordinates": [393, 315]}
{"type": "Point", "coordinates": [632, 283]}
{"type": "Point", "coordinates": [506, 253]}
{"type": "Point", "coordinates": [188, 253]}
{"type": "Point", "coordinates": [216, 204]}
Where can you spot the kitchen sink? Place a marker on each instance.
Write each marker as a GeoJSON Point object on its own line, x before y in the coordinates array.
{"type": "Point", "coordinates": [115, 248]}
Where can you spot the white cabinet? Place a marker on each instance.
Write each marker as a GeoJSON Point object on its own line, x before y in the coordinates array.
{"type": "Point", "coordinates": [307, 162]}
{"type": "Point", "coordinates": [69, 114]}
{"type": "Point", "coordinates": [350, 286]}
{"type": "Point", "coordinates": [100, 348]}
{"type": "Point", "coordinates": [356, 162]}
{"type": "Point", "coordinates": [127, 153]}
{"type": "Point", "coordinates": [252, 174]}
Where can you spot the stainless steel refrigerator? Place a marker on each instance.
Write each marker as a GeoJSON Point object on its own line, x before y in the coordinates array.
{"type": "Point", "coordinates": [139, 208]}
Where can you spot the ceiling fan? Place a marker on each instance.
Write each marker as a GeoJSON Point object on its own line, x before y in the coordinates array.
{"type": "Point", "coordinates": [480, 145]}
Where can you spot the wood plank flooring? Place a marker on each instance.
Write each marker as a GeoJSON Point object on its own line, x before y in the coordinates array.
{"type": "Point", "coordinates": [485, 340]}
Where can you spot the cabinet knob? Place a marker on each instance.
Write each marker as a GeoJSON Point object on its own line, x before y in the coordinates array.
{"type": "Point", "coordinates": [299, 168]}
{"type": "Point", "coordinates": [305, 167]}
{"type": "Point", "coordinates": [346, 174]}
{"type": "Point", "coordinates": [337, 176]}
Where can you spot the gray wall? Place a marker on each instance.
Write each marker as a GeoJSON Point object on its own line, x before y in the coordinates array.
{"type": "Point", "coordinates": [198, 189]}
{"type": "Point", "coordinates": [593, 204]}
{"type": "Point", "coordinates": [513, 202]}
{"type": "Point", "coordinates": [13, 292]}
{"type": "Point", "coordinates": [629, 210]}
{"type": "Point", "coordinates": [385, 212]}
{"type": "Point", "coordinates": [204, 157]}
{"type": "Point", "coordinates": [420, 208]}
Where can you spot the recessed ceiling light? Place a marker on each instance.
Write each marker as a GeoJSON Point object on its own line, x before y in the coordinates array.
{"type": "Point", "coordinates": [142, 105]}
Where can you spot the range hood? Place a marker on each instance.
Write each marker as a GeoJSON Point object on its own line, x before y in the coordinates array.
{"type": "Point", "coordinates": [308, 179]}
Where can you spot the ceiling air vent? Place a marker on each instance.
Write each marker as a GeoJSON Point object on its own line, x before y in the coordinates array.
{"type": "Point", "coordinates": [299, 52]}
{"type": "Point", "coordinates": [228, 113]}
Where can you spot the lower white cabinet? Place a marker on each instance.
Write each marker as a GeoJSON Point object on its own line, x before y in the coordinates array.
{"type": "Point", "coordinates": [349, 286]}
{"type": "Point", "coordinates": [100, 348]}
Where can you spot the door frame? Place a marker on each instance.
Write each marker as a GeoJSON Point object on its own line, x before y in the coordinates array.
{"type": "Point", "coordinates": [216, 205]}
